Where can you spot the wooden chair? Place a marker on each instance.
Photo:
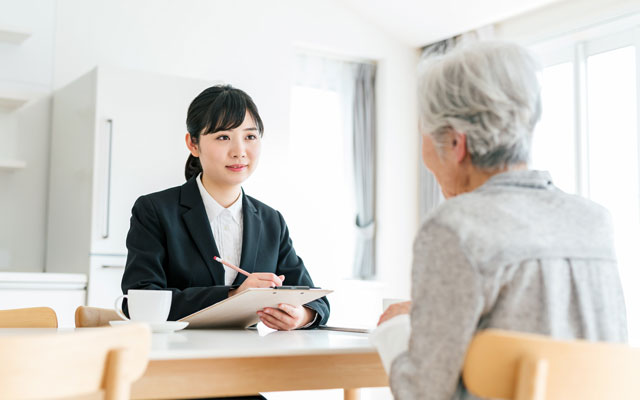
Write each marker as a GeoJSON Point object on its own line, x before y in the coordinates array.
{"type": "Point", "coordinates": [88, 317]}
{"type": "Point", "coordinates": [35, 317]}
{"type": "Point", "coordinates": [73, 364]}
{"type": "Point", "coordinates": [519, 366]}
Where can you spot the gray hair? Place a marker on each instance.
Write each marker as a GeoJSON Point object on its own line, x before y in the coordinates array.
{"type": "Point", "coordinates": [487, 90]}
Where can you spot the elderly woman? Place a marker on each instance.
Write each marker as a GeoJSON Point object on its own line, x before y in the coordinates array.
{"type": "Point", "coordinates": [507, 249]}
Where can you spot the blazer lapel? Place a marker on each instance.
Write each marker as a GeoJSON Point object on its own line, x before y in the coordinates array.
{"type": "Point", "coordinates": [200, 230]}
{"type": "Point", "coordinates": [251, 231]}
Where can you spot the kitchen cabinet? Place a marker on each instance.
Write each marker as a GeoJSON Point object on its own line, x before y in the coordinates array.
{"type": "Point", "coordinates": [106, 275]}
{"type": "Point", "coordinates": [62, 292]}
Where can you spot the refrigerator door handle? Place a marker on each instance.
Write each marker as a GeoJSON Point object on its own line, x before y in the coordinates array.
{"type": "Point", "coordinates": [104, 229]}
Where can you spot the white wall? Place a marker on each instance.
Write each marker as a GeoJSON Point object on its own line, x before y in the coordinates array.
{"type": "Point", "coordinates": [251, 44]}
{"type": "Point", "coordinates": [24, 133]}
{"type": "Point", "coordinates": [420, 22]}
{"type": "Point", "coordinates": [31, 62]}
{"type": "Point", "coordinates": [563, 18]}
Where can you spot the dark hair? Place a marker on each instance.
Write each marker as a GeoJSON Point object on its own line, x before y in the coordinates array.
{"type": "Point", "coordinates": [218, 108]}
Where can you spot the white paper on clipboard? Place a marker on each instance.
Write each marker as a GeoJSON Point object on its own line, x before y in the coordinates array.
{"type": "Point", "coordinates": [239, 311]}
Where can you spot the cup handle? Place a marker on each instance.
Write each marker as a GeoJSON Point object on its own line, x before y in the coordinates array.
{"type": "Point", "coordinates": [118, 307]}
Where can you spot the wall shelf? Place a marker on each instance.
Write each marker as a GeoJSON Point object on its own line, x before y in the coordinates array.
{"type": "Point", "coordinates": [12, 101]}
{"type": "Point", "coordinates": [12, 165]}
{"type": "Point", "coordinates": [14, 96]}
{"type": "Point", "coordinates": [12, 35]}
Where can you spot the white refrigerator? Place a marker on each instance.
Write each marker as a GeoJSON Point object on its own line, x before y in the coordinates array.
{"type": "Point", "coordinates": [116, 135]}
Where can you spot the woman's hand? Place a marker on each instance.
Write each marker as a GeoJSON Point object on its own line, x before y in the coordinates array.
{"type": "Point", "coordinates": [286, 317]}
{"type": "Point", "coordinates": [394, 310]}
{"type": "Point", "coordinates": [259, 280]}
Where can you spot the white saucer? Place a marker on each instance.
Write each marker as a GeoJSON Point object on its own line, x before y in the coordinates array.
{"type": "Point", "coordinates": [158, 327]}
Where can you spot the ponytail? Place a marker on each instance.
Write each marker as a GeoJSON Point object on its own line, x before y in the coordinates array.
{"type": "Point", "coordinates": [193, 167]}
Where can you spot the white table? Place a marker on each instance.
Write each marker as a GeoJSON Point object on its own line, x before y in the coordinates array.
{"type": "Point", "coordinates": [207, 363]}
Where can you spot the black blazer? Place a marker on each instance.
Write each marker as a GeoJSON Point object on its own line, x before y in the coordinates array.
{"type": "Point", "coordinates": [170, 246]}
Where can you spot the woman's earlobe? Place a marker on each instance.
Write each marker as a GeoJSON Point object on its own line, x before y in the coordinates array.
{"type": "Point", "coordinates": [191, 145]}
{"type": "Point", "coordinates": [460, 146]}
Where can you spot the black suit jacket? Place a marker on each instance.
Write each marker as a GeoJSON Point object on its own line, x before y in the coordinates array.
{"type": "Point", "coordinates": [170, 246]}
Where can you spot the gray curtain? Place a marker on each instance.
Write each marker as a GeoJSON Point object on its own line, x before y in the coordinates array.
{"type": "Point", "coordinates": [429, 189]}
{"type": "Point", "coordinates": [364, 133]}
{"type": "Point", "coordinates": [440, 47]}
{"type": "Point", "coordinates": [430, 193]}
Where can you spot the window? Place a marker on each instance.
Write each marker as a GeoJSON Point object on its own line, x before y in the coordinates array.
{"type": "Point", "coordinates": [321, 167]}
{"type": "Point", "coordinates": [554, 140]}
{"type": "Point", "coordinates": [332, 109]}
{"type": "Point", "coordinates": [332, 106]}
{"type": "Point", "coordinates": [588, 136]}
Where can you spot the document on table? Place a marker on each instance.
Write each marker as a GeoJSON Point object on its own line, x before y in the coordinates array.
{"type": "Point", "coordinates": [346, 329]}
{"type": "Point", "coordinates": [239, 311]}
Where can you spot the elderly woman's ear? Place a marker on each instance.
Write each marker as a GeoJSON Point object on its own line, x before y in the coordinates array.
{"type": "Point", "coordinates": [459, 144]}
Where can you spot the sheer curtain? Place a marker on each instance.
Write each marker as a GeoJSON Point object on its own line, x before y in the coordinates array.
{"type": "Point", "coordinates": [429, 190]}
{"type": "Point", "coordinates": [327, 82]}
{"type": "Point", "coordinates": [364, 115]}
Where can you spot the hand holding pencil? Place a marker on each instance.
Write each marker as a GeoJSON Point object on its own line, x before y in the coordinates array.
{"type": "Point", "coordinates": [254, 280]}
{"type": "Point", "coordinates": [286, 317]}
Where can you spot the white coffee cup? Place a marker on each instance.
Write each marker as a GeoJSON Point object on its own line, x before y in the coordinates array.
{"type": "Point", "coordinates": [145, 305]}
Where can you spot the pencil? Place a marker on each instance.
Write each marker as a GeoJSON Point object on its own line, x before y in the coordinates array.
{"type": "Point", "coordinates": [228, 264]}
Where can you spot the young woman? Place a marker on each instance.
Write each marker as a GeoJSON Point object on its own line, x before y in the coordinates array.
{"type": "Point", "coordinates": [175, 233]}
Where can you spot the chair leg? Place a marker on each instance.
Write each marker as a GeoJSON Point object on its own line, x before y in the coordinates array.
{"type": "Point", "coordinates": [532, 379]}
{"type": "Point", "coordinates": [352, 394]}
{"type": "Point", "coordinates": [114, 386]}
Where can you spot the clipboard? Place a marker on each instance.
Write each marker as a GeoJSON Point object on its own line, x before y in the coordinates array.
{"type": "Point", "coordinates": [239, 311]}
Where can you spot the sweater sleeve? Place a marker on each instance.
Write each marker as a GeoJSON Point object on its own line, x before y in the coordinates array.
{"type": "Point", "coordinates": [446, 306]}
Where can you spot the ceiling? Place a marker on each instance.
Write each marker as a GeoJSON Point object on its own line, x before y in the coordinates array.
{"type": "Point", "coordinates": [420, 22]}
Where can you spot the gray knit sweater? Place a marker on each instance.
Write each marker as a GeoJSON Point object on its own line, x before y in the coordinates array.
{"type": "Point", "coordinates": [516, 254]}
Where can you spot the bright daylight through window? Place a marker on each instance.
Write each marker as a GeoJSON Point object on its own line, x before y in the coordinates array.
{"type": "Point", "coordinates": [320, 149]}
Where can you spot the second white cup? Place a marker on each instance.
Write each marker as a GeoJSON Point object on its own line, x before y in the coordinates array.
{"type": "Point", "coordinates": [145, 305]}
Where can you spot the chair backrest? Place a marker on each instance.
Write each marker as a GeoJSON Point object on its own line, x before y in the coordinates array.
{"type": "Point", "coordinates": [66, 364]}
{"type": "Point", "coordinates": [520, 366]}
{"type": "Point", "coordinates": [35, 317]}
{"type": "Point", "coordinates": [89, 317]}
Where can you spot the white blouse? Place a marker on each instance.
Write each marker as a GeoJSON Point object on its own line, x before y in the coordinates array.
{"type": "Point", "coordinates": [226, 226]}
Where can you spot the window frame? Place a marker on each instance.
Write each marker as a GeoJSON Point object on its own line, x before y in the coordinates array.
{"type": "Point", "coordinates": [576, 47]}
